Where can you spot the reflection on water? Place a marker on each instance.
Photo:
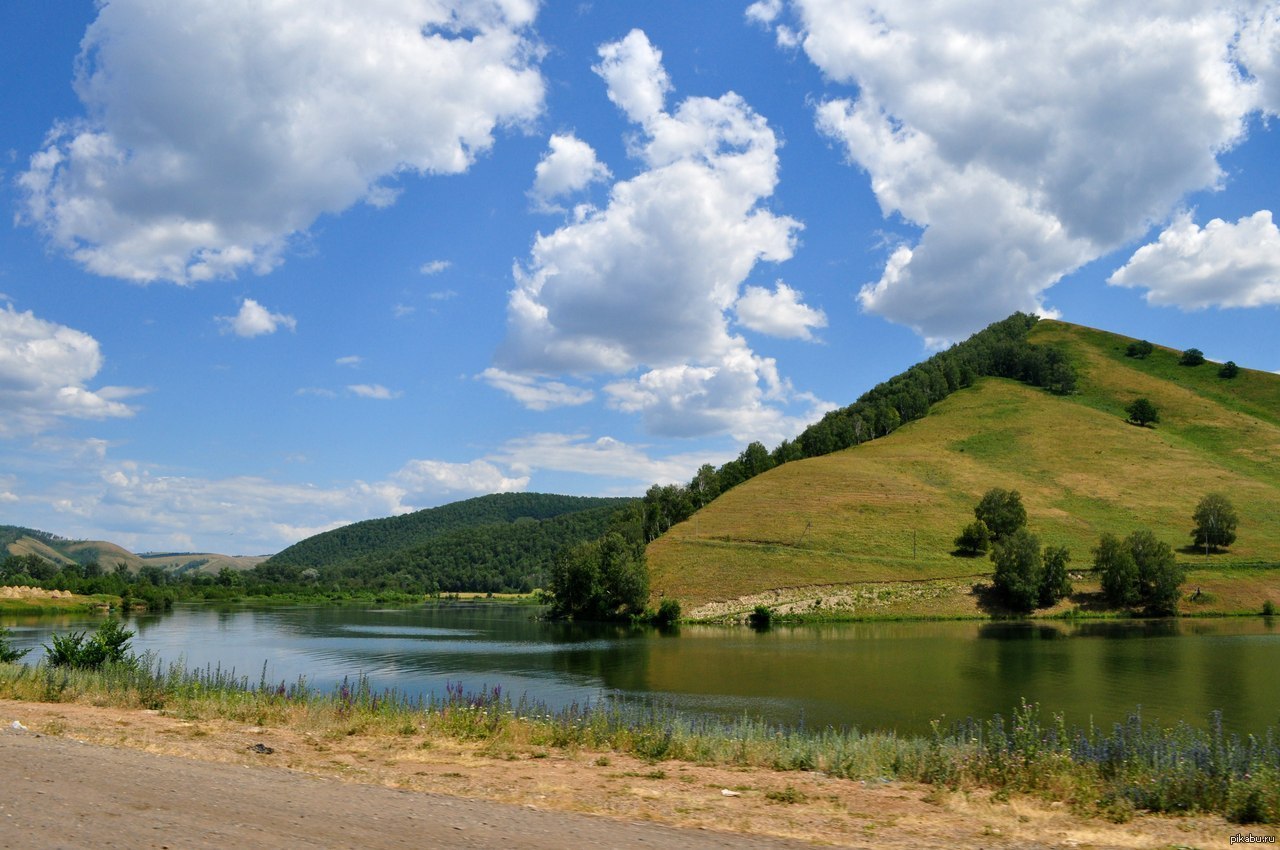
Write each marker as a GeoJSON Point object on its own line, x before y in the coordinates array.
{"type": "Point", "coordinates": [869, 675]}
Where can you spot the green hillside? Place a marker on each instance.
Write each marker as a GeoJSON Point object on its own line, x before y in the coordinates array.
{"type": "Point", "coordinates": [501, 542]}
{"type": "Point", "coordinates": [869, 530]}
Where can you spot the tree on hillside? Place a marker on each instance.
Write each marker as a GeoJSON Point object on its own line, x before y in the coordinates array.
{"type": "Point", "coordinates": [1216, 521]}
{"type": "Point", "coordinates": [600, 580]}
{"type": "Point", "coordinates": [1001, 511]}
{"type": "Point", "coordinates": [1159, 575]}
{"type": "Point", "coordinates": [1139, 570]}
{"type": "Point", "coordinates": [975, 539]}
{"type": "Point", "coordinates": [1139, 350]}
{"type": "Point", "coordinates": [1119, 574]}
{"type": "Point", "coordinates": [1019, 569]}
{"type": "Point", "coordinates": [1055, 582]}
{"type": "Point", "coordinates": [1229, 370]}
{"type": "Point", "coordinates": [1142, 412]}
{"type": "Point", "coordinates": [1191, 357]}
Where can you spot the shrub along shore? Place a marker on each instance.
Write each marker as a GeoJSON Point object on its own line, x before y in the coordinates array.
{"type": "Point", "coordinates": [1111, 773]}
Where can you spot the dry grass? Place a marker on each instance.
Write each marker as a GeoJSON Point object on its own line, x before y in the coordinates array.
{"type": "Point", "coordinates": [889, 510]}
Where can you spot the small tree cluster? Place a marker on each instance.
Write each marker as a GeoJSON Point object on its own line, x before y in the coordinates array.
{"type": "Point", "coordinates": [1027, 577]}
{"type": "Point", "coordinates": [1139, 570]}
{"type": "Point", "coordinates": [1191, 357]}
{"type": "Point", "coordinates": [602, 579]}
{"type": "Point", "coordinates": [1139, 350]}
{"type": "Point", "coordinates": [998, 514]}
{"type": "Point", "coordinates": [1229, 370]}
{"type": "Point", "coordinates": [1001, 511]}
{"type": "Point", "coordinates": [1142, 412]}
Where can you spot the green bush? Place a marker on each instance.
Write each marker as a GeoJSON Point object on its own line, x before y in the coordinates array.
{"type": "Point", "coordinates": [668, 613]}
{"type": "Point", "coordinates": [1019, 568]}
{"type": "Point", "coordinates": [9, 655]}
{"type": "Point", "coordinates": [1001, 511]}
{"type": "Point", "coordinates": [1191, 357]}
{"type": "Point", "coordinates": [975, 539]}
{"type": "Point", "coordinates": [108, 645]}
{"type": "Point", "coordinates": [761, 618]}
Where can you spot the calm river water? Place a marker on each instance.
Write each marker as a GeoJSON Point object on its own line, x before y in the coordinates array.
{"type": "Point", "coordinates": [869, 675]}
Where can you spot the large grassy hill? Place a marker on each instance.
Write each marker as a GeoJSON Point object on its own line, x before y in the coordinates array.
{"type": "Point", "coordinates": [870, 530]}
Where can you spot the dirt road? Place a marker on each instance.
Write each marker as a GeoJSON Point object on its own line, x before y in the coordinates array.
{"type": "Point", "coordinates": [59, 793]}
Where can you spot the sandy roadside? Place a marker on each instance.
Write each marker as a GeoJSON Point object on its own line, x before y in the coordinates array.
{"type": "Point", "coordinates": [307, 785]}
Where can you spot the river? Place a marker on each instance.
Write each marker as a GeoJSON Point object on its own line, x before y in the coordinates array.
{"type": "Point", "coordinates": [898, 676]}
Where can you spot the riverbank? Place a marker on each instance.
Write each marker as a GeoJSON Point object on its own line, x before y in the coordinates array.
{"type": "Point", "coordinates": [798, 805]}
{"type": "Point", "coordinates": [1206, 593]}
{"type": "Point", "coordinates": [1119, 775]}
{"type": "Point", "coordinates": [36, 600]}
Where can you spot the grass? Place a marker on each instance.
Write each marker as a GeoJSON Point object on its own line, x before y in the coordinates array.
{"type": "Point", "coordinates": [889, 510]}
{"type": "Point", "coordinates": [1112, 772]}
{"type": "Point", "coordinates": [61, 605]}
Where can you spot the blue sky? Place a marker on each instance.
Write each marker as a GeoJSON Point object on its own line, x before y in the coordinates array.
{"type": "Point", "coordinates": [272, 268]}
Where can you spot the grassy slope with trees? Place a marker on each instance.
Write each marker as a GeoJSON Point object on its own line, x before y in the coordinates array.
{"type": "Point", "coordinates": [888, 511]}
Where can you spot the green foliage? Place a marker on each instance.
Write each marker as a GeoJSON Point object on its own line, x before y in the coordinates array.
{"type": "Point", "coordinates": [9, 655]}
{"type": "Point", "coordinates": [1229, 370]}
{"type": "Point", "coordinates": [1001, 511]}
{"type": "Point", "coordinates": [1139, 350]}
{"type": "Point", "coordinates": [1019, 569]}
{"type": "Point", "coordinates": [975, 539]}
{"type": "Point", "coordinates": [512, 556]}
{"type": "Point", "coordinates": [1139, 570]}
{"type": "Point", "coordinates": [1191, 357]}
{"type": "Point", "coordinates": [1119, 574]}
{"type": "Point", "coordinates": [1055, 581]}
{"type": "Point", "coordinates": [1142, 412]}
{"type": "Point", "coordinates": [603, 579]}
{"type": "Point", "coordinates": [1216, 520]}
{"type": "Point", "coordinates": [108, 645]}
{"type": "Point", "coordinates": [1268, 608]}
{"type": "Point", "coordinates": [668, 613]}
{"type": "Point", "coordinates": [379, 537]}
{"type": "Point", "coordinates": [760, 619]}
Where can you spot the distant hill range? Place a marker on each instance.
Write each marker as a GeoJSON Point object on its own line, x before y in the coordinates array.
{"type": "Point", "coordinates": [503, 541]}
{"type": "Point", "coordinates": [17, 540]}
{"type": "Point", "coordinates": [888, 509]}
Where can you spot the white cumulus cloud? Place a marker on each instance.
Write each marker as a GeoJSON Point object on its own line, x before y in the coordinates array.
{"type": "Point", "coordinates": [214, 132]}
{"type": "Point", "coordinates": [434, 267]}
{"type": "Point", "coordinates": [1026, 140]}
{"type": "Point", "coordinates": [535, 393]}
{"type": "Point", "coordinates": [44, 370]}
{"type": "Point", "coordinates": [645, 284]}
{"type": "Point", "coordinates": [1219, 265]}
{"type": "Point", "coordinates": [778, 313]}
{"type": "Point", "coordinates": [569, 165]}
{"type": "Point", "coordinates": [255, 320]}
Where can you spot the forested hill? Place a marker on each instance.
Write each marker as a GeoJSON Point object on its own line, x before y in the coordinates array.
{"type": "Point", "coordinates": [500, 557]}
{"type": "Point", "coordinates": [888, 507]}
{"type": "Point", "coordinates": [385, 540]}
